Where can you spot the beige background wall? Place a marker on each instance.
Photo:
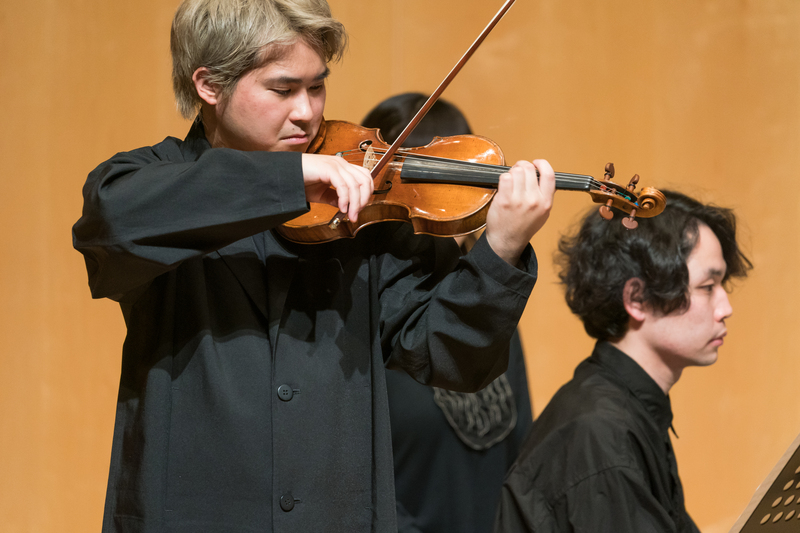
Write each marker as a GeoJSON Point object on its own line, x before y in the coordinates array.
{"type": "Point", "coordinates": [700, 95]}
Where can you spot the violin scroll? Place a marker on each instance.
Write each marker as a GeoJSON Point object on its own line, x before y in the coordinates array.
{"type": "Point", "coordinates": [648, 203]}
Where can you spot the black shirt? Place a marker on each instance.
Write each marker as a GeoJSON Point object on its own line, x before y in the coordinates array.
{"type": "Point", "coordinates": [599, 458]}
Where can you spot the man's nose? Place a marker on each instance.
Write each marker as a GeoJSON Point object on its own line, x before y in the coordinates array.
{"type": "Point", "coordinates": [724, 308]}
{"type": "Point", "coordinates": [301, 110]}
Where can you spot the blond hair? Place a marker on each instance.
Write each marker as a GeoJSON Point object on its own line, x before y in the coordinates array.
{"type": "Point", "coordinates": [233, 37]}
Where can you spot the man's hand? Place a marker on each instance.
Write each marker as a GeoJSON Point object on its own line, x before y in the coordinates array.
{"type": "Point", "coordinates": [352, 184]}
{"type": "Point", "coordinates": [520, 207]}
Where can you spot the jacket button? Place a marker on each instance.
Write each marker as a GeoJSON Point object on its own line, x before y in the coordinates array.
{"type": "Point", "coordinates": [287, 502]}
{"type": "Point", "coordinates": [285, 393]}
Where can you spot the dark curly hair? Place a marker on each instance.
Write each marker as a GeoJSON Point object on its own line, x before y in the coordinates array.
{"type": "Point", "coordinates": [596, 263]}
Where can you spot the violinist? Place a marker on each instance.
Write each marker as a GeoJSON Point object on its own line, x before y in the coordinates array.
{"type": "Point", "coordinates": [599, 457]}
{"type": "Point", "coordinates": [252, 394]}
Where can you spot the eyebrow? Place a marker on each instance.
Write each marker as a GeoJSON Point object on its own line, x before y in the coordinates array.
{"type": "Point", "coordinates": [288, 80]}
{"type": "Point", "coordinates": [715, 273]}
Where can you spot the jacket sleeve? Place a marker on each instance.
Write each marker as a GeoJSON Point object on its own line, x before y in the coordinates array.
{"type": "Point", "coordinates": [447, 320]}
{"type": "Point", "coordinates": [518, 379]}
{"type": "Point", "coordinates": [148, 210]}
{"type": "Point", "coordinates": [617, 500]}
{"type": "Point", "coordinates": [614, 500]}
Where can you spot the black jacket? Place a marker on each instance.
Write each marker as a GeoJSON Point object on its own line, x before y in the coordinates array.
{"type": "Point", "coordinates": [252, 395]}
{"type": "Point", "coordinates": [599, 458]}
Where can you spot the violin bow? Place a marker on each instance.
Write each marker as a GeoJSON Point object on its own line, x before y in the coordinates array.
{"type": "Point", "coordinates": [389, 154]}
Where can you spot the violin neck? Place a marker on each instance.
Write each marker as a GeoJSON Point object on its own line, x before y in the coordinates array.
{"type": "Point", "coordinates": [477, 174]}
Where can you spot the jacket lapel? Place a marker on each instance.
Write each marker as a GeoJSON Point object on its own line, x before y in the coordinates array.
{"type": "Point", "coordinates": [243, 259]}
{"type": "Point", "coordinates": [280, 273]}
{"type": "Point", "coordinates": [265, 275]}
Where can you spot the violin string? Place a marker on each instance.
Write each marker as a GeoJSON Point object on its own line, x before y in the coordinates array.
{"type": "Point", "coordinates": [454, 169]}
{"type": "Point", "coordinates": [491, 175]}
{"type": "Point", "coordinates": [458, 167]}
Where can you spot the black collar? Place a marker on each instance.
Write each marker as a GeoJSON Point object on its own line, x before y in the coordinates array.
{"type": "Point", "coordinates": [633, 377]}
{"type": "Point", "coordinates": [195, 142]}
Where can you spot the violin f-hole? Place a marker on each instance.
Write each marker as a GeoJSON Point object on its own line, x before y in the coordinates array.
{"type": "Point", "coordinates": [384, 191]}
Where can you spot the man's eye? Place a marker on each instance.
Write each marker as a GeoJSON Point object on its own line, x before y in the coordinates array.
{"type": "Point", "coordinates": [317, 87]}
{"type": "Point", "coordinates": [282, 92]}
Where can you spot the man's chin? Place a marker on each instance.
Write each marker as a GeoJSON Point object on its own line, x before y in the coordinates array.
{"type": "Point", "coordinates": [708, 359]}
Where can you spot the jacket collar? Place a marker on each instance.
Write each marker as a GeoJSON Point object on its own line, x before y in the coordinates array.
{"type": "Point", "coordinates": [633, 377]}
{"type": "Point", "coordinates": [195, 142]}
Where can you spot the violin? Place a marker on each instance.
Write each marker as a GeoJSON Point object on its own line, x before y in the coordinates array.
{"type": "Point", "coordinates": [444, 188]}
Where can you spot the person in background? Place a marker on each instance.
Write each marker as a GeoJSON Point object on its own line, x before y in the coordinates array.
{"type": "Point", "coordinates": [599, 458]}
{"type": "Point", "coordinates": [451, 449]}
{"type": "Point", "coordinates": [252, 394]}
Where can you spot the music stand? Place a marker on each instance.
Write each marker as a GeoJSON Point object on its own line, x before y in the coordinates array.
{"type": "Point", "coordinates": [775, 507]}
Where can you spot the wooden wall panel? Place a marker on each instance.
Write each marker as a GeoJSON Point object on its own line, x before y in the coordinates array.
{"type": "Point", "coordinates": [699, 95]}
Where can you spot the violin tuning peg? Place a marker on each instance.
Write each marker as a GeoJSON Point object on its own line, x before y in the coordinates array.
{"type": "Point", "coordinates": [609, 174]}
{"type": "Point", "coordinates": [630, 222]}
{"type": "Point", "coordinates": [605, 210]}
{"type": "Point", "coordinates": [632, 184]}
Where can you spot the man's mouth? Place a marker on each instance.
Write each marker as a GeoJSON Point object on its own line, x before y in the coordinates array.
{"type": "Point", "coordinates": [297, 138]}
{"type": "Point", "coordinates": [718, 340]}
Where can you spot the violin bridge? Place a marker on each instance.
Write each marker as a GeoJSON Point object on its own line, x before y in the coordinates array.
{"type": "Point", "coordinates": [370, 160]}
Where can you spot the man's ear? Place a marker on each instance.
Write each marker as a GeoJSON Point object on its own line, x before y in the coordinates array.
{"type": "Point", "coordinates": [207, 91]}
{"type": "Point", "coordinates": [632, 295]}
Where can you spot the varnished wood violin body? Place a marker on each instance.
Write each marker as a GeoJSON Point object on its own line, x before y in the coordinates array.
{"type": "Point", "coordinates": [433, 208]}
